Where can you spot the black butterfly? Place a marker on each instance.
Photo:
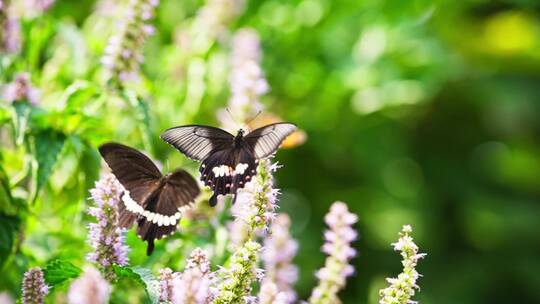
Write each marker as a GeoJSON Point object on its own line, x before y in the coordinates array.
{"type": "Point", "coordinates": [154, 200]}
{"type": "Point", "coordinates": [228, 161]}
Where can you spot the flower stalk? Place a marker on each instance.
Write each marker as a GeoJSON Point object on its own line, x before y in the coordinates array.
{"type": "Point", "coordinates": [236, 280]}
{"type": "Point", "coordinates": [106, 237]}
{"type": "Point", "coordinates": [256, 207]}
{"type": "Point", "coordinates": [247, 80]}
{"type": "Point", "coordinates": [34, 288]}
{"type": "Point", "coordinates": [123, 55]}
{"type": "Point", "coordinates": [332, 277]}
{"type": "Point", "coordinates": [403, 288]}
{"type": "Point", "coordinates": [280, 274]}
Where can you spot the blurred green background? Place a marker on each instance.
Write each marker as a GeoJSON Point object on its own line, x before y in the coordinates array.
{"type": "Point", "coordinates": [417, 112]}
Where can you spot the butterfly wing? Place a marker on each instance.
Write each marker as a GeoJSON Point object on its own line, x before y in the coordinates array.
{"type": "Point", "coordinates": [136, 172]}
{"type": "Point", "coordinates": [196, 141]}
{"type": "Point", "coordinates": [227, 170]}
{"type": "Point", "coordinates": [162, 214]}
{"type": "Point", "coordinates": [265, 141]}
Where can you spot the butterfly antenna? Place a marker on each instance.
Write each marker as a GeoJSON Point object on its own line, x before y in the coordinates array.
{"type": "Point", "coordinates": [232, 116]}
{"type": "Point", "coordinates": [252, 119]}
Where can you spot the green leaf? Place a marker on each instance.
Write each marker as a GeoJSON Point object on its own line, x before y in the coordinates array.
{"type": "Point", "coordinates": [21, 115]}
{"type": "Point", "coordinates": [142, 275]}
{"type": "Point", "coordinates": [142, 112]}
{"type": "Point", "coordinates": [5, 117]}
{"type": "Point", "coordinates": [90, 165]}
{"type": "Point", "coordinates": [6, 200]}
{"type": "Point", "coordinates": [9, 225]}
{"type": "Point", "coordinates": [48, 145]}
{"type": "Point", "coordinates": [59, 271]}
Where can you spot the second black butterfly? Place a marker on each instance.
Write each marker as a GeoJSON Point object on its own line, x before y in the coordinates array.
{"type": "Point", "coordinates": [155, 201]}
{"type": "Point", "coordinates": [228, 161]}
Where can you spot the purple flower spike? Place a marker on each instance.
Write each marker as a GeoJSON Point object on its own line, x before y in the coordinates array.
{"type": "Point", "coordinates": [193, 286]}
{"type": "Point", "coordinates": [123, 54]}
{"type": "Point", "coordinates": [105, 236]}
{"type": "Point", "coordinates": [247, 80]}
{"type": "Point", "coordinates": [21, 89]}
{"type": "Point", "coordinates": [278, 252]}
{"type": "Point", "coordinates": [34, 288]}
{"type": "Point", "coordinates": [332, 277]}
{"type": "Point", "coordinates": [10, 29]}
{"type": "Point", "coordinates": [89, 288]}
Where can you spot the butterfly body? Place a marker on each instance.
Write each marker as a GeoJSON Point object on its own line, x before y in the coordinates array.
{"type": "Point", "coordinates": [227, 162]}
{"type": "Point", "coordinates": [155, 201]}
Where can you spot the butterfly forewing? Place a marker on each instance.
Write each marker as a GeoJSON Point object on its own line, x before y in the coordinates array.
{"type": "Point", "coordinates": [265, 141]}
{"type": "Point", "coordinates": [198, 142]}
{"type": "Point", "coordinates": [134, 170]}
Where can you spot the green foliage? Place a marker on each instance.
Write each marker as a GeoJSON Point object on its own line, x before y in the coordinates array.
{"type": "Point", "coordinates": [416, 112]}
{"type": "Point", "coordinates": [48, 145]}
{"type": "Point", "coordinates": [9, 226]}
{"type": "Point", "coordinates": [58, 272]}
{"type": "Point", "coordinates": [142, 276]}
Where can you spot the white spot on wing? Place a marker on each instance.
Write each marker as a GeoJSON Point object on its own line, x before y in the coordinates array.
{"type": "Point", "coordinates": [156, 218]}
{"type": "Point", "coordinates": [130, 204]}
{"type": "Point", "coordinates": [240, 168]}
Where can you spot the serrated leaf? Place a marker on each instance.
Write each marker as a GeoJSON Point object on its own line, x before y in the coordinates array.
{"type": "Point", "coordinates": [9, 225]}
{"type": "Point", "coordinates": [48, 145]}
{"type": "Point", "coordinates": [59, 271]}
{"type": "Point", "coordinates": [142, 275]}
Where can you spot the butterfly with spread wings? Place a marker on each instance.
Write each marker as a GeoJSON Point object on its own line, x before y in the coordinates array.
{"type": "Point", "coordinates": [228, 161]}
{"type": "Point", "coordinates": [155, 201]}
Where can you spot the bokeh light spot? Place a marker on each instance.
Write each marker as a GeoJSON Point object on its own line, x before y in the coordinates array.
{"type": "Point", "coordinates": [510, 33]}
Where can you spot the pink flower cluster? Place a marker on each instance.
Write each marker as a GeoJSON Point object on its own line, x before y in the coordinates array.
{"type": "Point", "coordinates": [10, 29]}
{"type": "Point", "coordinates": [21, 89]}
{"type": "Point", "coordinates": [247, 80]}
{"type": "Point", "coordinates": [280, 274]}
{"type": "Point", "coordinates": [193, 286]}
{"type": "Point", "coordinates": [106, 238]}
{"type": "Point", "coordinates": [89, 288]}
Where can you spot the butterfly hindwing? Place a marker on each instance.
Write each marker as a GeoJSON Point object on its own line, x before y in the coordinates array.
{"type": "Point", "coordinates": [226, 171]}
{"type": "Point", "coordinates": [196, 141]}
{"type": "Point", "coordinates": [149, 232]}
{"type": "Point", "coordinates": [163, 212]}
